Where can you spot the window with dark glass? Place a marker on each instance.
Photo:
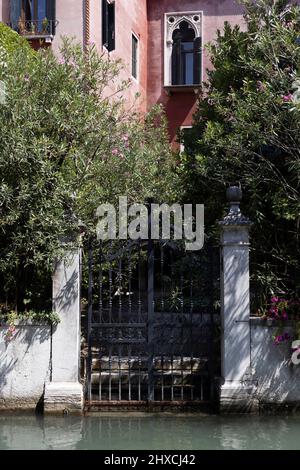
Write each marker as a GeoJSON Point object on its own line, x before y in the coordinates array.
{"type": "Point", "coordinates": [108, 24]}
{"type": "Point", "coordinates": [135, 45]}
{"type": "Point", "coordinates": [185, 135]}
{"type": "Point", "coordinates": [186, 56]}
{"type": "Point", "coordinates": [33, 16]}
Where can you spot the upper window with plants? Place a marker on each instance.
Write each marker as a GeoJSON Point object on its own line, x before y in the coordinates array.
{"type": "Point", "coordinates": [33, 17]}
{"type": "Point", "coordinates": [183, 49]}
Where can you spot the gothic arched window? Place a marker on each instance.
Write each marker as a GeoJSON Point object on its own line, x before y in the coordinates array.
{"type": "Point", "coordinates": [183, 49]}
{"type": "Point", "coordinates": [186, 56]}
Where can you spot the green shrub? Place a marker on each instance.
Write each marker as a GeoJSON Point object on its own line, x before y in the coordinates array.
{"type": "Point", "coordinates": [247, 130]}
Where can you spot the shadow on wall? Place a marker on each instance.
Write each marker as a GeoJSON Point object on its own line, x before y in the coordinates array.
{"type": "Point", "coordinates": [236, 305]}
{"type": "Point", "coordinates": [25, 364]}
{"type": "Point", "coordinates": [68, 294]}
{"type": "Point", "coordinates": [278, 380]}
{"type": "Point", "coordinates": [7, 365]}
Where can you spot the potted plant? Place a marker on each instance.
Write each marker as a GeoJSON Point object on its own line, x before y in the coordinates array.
{"type": "Point", "coordinates": [278, 312]}
{"type": "Point", "coordinates": [45, 26]}
{"type": "Point", "coordinates": [21, 26]}
{"type": "Point", "coordinates": [32, 29]}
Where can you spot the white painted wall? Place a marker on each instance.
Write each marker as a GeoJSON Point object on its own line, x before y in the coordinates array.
{"type": "Point", "coordinates": [64, 391]}
{"type": "Point", "coordinates": [277, 380]}
{"type": "Point", "coordinates": [24, 366]}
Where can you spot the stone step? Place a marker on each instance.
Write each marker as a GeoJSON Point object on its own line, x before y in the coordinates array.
{"type": "Point", "coordinates": [139, 363]}
{"type": "Point", "coordinates": [178, 379]}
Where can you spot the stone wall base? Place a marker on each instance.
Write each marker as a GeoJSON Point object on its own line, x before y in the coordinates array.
{"type": "Point", "coordinates": [21, 403]}
{"type": "Point", "coordinates": [236, 397]}
{"type": "Point", "coordinates": [63, 397]}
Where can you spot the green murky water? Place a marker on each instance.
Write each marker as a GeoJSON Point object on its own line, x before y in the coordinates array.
{"type": "Point", "coordinates": [149, 432]}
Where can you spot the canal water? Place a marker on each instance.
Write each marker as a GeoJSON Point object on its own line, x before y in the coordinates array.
{"type": "Point", "coordinates": [134, 431]}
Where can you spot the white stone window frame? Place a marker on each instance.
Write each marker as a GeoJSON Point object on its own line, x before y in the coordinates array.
{"type": "Point", "coordinates": [181, 149]}
{"type": "Point", "coordinates": [169, 28]}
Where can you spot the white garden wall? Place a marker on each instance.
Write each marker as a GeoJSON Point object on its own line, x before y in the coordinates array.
{"type": "Point", "coordinates": [277, 380]}
{"type": "Point", "coordinates": [40, 365]}
{"type": "Point", "coordinates": [24, 365]}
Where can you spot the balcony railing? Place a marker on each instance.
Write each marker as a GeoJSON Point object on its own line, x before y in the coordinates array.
{"type": "Point", "coordinates": [35, 28]}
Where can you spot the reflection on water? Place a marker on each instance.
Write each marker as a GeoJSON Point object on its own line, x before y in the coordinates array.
{"type": "Point", "coordinates": [149, 431]}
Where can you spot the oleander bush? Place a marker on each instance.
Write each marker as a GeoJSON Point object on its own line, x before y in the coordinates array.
{"type": "Point", "coordinates": [68, 143]}
{"type": "Point", "coordinates": [247, 130]}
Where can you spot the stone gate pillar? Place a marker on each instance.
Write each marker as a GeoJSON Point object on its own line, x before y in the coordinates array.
{"type": "Point", "coordinates": [64, 392]}
{"type": "Point", "coordinates": [236, 391]}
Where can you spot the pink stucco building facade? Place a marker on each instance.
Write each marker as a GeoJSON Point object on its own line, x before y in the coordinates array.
{"type": "Point", "coordinates": [161, 42]}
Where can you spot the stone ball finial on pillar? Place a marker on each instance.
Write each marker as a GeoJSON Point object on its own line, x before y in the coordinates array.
{"type": "Point", "coordinates": [236, 394]}
{"type": "Point", "coordinates": [234, 196]}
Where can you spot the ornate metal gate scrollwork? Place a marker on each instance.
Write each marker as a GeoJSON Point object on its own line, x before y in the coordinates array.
{"type": "Point", "coordinates": [150, 323]}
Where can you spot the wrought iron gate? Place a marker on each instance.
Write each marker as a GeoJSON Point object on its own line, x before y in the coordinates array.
{"type": "Point", "coordinates": [150, 324]}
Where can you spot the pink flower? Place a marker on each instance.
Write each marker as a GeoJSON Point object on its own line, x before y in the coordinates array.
{"type": "Point", "coordinates": [62, 61]}
{"type": "Point", "coordinates": [284, 315]}
{"type": "Point", "coordinates": [274, 300]}
{"type": "Point", "coordinates": [277, 340]}
{"type": "Point", "coordinates": [125, 139]}
{"type": "Point", "coordinates": [281, 338]}
{"type": "Point", "coordinates": [287, 98]}
{"type": "Point", "coordinates": [10, 333]}
{"type": "Point", "coordinates": [115, 151]}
